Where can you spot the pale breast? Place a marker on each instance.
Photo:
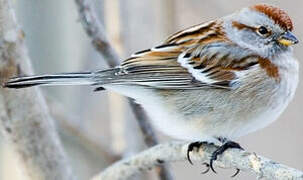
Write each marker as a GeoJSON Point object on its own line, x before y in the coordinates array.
{"type": "Point", "coordinates": [276, 95]}
{"type": "Point", "coordinates": [203, 114]}
{"type": "Point", "coordinates": [257, 102]}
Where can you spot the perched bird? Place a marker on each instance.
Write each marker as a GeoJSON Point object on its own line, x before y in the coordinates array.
{"type": "Point", "coordinates": [212, 82]}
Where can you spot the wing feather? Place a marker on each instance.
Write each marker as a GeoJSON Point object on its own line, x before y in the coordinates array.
{"type": "Point", "coordinates": [198, 57]}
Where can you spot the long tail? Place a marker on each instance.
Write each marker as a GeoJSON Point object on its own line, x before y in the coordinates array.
{"type": "Point", "coordinates": [84, 78]}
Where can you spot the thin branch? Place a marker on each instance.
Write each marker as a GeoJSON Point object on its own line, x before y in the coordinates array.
{"type": "Point", "coordinates": [149, 137]}
{"type": "Point", "coordinates": [24, 118]}
{"type": "Point", "coordinates": [176, 151]}
{"type": "Point", "coordinates": [96, 32]}
{"type": "Point", "coordinates": [148, 133]}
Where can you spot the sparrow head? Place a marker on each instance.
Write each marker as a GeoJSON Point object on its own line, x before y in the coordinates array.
{"type": "Point", "coordinates": [262, 28]}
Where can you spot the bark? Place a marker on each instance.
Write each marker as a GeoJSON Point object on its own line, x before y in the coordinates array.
{"type": "Point", "coordinates": [176, 151]}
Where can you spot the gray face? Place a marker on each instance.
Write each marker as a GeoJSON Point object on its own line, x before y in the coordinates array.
{"type": "Point", "coordinates": [258, 32]}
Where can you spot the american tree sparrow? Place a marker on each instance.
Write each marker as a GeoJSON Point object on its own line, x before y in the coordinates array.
{"type": "Point", "coordinates": [212, 82]}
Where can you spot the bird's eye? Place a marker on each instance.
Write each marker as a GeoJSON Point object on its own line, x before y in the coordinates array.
{"type": "Point", "coordinates": [263, 30]}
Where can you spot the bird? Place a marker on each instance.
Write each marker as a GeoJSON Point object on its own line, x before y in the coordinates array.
{"type": "Point", "coordinates": [210, 83]}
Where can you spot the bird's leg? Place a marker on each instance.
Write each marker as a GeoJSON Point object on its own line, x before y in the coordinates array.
{"type": "Point", "coordinates": [221, 150]}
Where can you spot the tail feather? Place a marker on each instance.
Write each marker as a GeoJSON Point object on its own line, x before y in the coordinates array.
{"type": "Point", "coordinates": [85, 78]}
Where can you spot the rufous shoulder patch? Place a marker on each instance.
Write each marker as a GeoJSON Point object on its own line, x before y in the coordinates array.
{"type": "Point", "coordinates": [271, 69]}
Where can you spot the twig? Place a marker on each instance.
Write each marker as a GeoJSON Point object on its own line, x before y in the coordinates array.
{"type": "Point", "coordinates": [149, 138]}
{"type": "Point", "coordinates": [96, 32]}
{"type": "Point", "coordinates": [148, 133]}
{"type": "Point", "coordinates": [176, 151]}
{"type": "Point", "coordinates": [25, 121]}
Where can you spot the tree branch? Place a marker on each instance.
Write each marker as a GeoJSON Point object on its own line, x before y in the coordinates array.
{"type": "Point", "coordinates": [149, 136]}
{"type": "Point", "coordinates": [176, 151]}
{"type": "Point", "coordinates": [96, 32]}
{"type": "Point", "coordinates": [25, 121]}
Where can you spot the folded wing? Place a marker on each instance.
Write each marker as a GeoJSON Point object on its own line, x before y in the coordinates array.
{"type": "Point", "coordinates": [198, 57]}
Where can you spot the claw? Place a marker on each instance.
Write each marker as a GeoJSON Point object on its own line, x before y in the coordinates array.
{"type": "Point", "coordinates": [188, 158]}
{"type": "Point", "coordinates": [191, 148]}
{"type": "Point", "coordinates": [207, 166]}
{"type": "Point", "coordinates": [237, 172]}
{"type": "Point", "coordinates": [211, 164]}
{"type": "Point", "coordinates": [221, 150]}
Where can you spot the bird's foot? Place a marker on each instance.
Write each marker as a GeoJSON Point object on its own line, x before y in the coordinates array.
{"type": "Point", "coordinates": [221, 150]}
{"type": "Point", "coordinates": [193, 145]}
{"type": "Point", "coordinates": [226, 145]}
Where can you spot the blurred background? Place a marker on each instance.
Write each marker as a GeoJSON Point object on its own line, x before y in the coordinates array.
{"type": "Point", "coordinates": [96, 128]}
